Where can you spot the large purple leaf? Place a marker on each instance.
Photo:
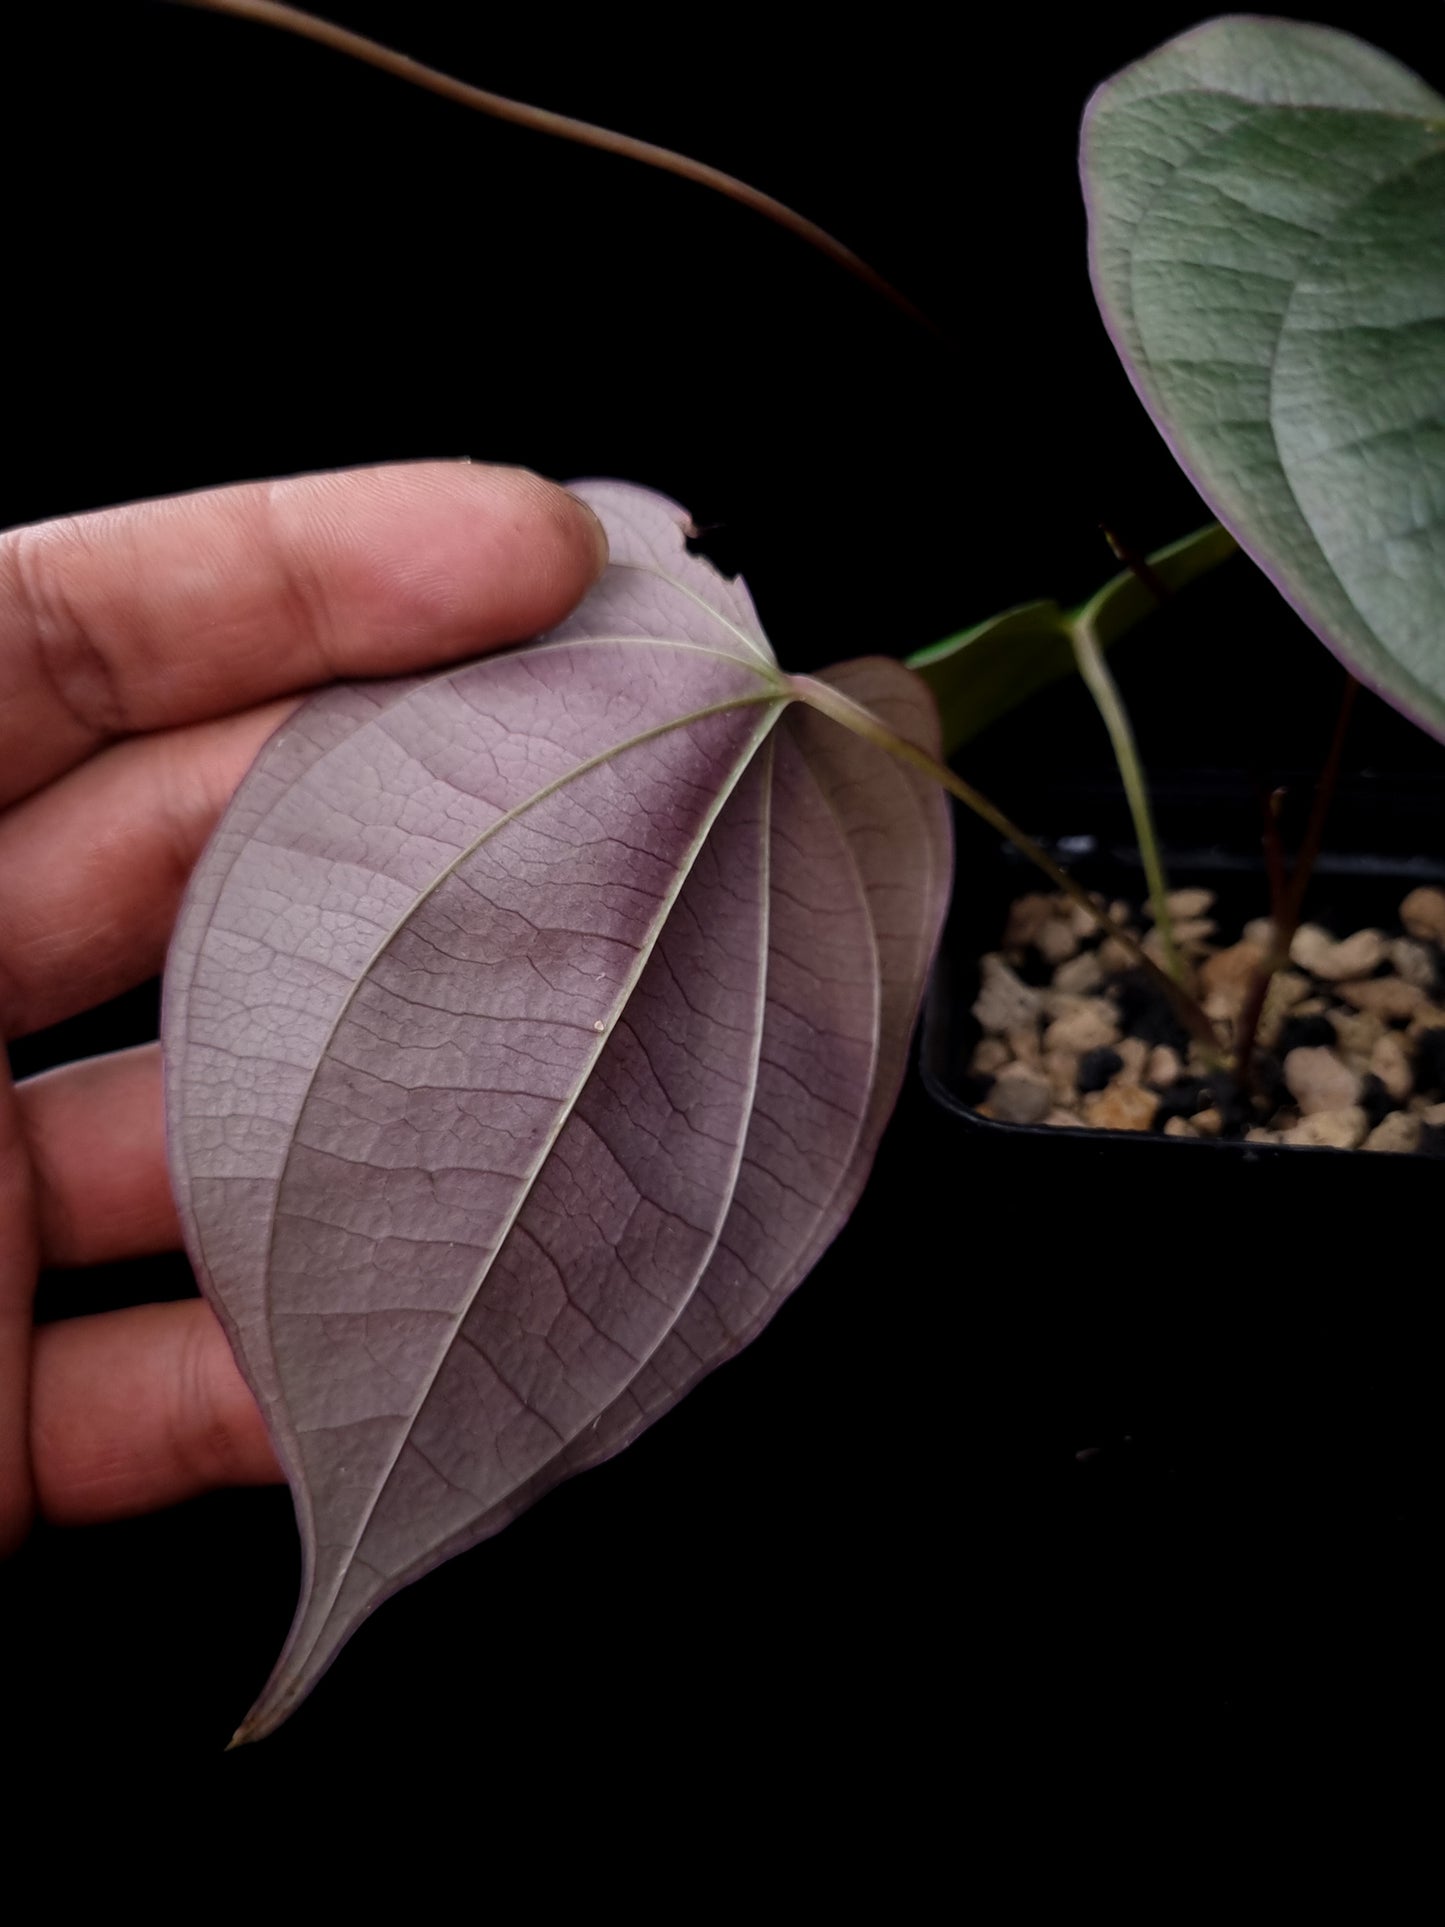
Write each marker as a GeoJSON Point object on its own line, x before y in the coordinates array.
{"type": "Point", "coordinates": [529, 1032]}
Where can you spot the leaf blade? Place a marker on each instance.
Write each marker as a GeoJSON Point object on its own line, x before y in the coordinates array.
{"type": "Point", "coordinates": [489, 1342]}
{"type": "Point", "coordinates": [405, 879]}
{"type": "Point", "coordinates": [1254, 188]}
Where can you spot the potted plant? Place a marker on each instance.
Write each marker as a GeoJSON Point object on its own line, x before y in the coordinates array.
{"type": "Point", "coordinates": [1198, 163]}
{"type": "Point", "coordinates": [904, 517]}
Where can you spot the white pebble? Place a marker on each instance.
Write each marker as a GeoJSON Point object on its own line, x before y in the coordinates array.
{"type": "Point", "coordinates": [1090, 1026]}
{"type": "Point", "coordinates": [1020, 1096]}
{"type": "Point", "coordinates": [1004, 1001]}
{"type": "Point", "coordinates": [1318, 1081]}
{"type": "Point", "coordinates": [1339, 1130]}
{"type": "Point", "coordinates": [1396, 1132]}
{"type": "Point", "coordinates": [1423, 913]}
{"type": "Point", "coordinates": [1316, 951]}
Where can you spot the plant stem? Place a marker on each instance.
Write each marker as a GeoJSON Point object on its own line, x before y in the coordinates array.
{"type": "Point", "coordinates": [1286, 921]}
{"type": "Point", "coordinates": [830, 702]}
{"type": "Point", "coordinates": [1105, 692]}
{"type": "Point", "coordinates": [988, 669]}
{"type": "Point", "coordinates": [307, 26]}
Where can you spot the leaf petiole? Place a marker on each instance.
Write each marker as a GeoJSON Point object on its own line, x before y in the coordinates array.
{"type": "Point", "coordinates": [852, 716]}
{"type": "Point", "coordinates": [1099, 681]}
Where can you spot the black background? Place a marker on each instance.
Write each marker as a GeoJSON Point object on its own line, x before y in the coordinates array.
{"type": "Point", "coordinates": [868, 1551]}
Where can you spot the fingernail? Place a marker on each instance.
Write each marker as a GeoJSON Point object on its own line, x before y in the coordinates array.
{"type": "Point", "coordinates": [598, 532]}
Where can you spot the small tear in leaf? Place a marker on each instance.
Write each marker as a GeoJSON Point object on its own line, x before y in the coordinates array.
{"type": "Point", "coordinates": [718, 543]}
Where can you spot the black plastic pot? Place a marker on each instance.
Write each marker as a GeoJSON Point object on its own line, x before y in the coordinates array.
{"type": "Point", "coordinates": [1133, 1226]}
{"type": "Point", "coordinates": [1120, 1281]}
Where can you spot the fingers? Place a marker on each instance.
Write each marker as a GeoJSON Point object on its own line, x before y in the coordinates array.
{"type": "Point", "coordinates": [133, 1410]}
{"type": "Point", "coordinates": [19, 1263]}
{"type": "Point", "coordinates": [92, 868]}
{"type": "Point", "coordinates": [171, 612]}
{"type": "Point", "coordinates": [96, 1137]}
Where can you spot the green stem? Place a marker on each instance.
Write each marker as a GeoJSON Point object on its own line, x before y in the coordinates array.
{"type": "Point", "coordinates": [830, 702]}
{"type": "Point", "coordinates": [982, 673]}
{"type": "Point", "coordinates": [1105, 692]}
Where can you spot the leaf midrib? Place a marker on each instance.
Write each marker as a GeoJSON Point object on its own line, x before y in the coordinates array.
{"type": "Point", "coordinates": [778, 701]}
{"type": "Point", "coordinates": [411, 690]}
{"type": "Point", "coordinates": [1420, 693]}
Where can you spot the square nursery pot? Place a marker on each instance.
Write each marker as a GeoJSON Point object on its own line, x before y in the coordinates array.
{"type": "Point", "coordinates": [1195, 1382]}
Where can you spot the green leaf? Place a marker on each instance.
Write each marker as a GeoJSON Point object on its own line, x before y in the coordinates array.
{"type": "Point", "coordinates": [982, 674]}
{"type": "Point", "coordinates": [1267, 241]}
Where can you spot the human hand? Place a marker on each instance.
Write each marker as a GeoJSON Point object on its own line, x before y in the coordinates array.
{"type": "Point", "coordinates": [146, 653]}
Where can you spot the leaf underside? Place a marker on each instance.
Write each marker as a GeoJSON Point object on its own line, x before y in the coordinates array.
{"type": "Point", "coordinates": [529, 1032]}
{"type": "Point", "coordinates": [1267, 242]}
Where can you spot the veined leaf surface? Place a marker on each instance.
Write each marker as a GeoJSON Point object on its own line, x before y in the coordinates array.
{"type": "Point", "coordinates": [529, 1032]}
{"type": "Point", "coordinates": [1267, 240]}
